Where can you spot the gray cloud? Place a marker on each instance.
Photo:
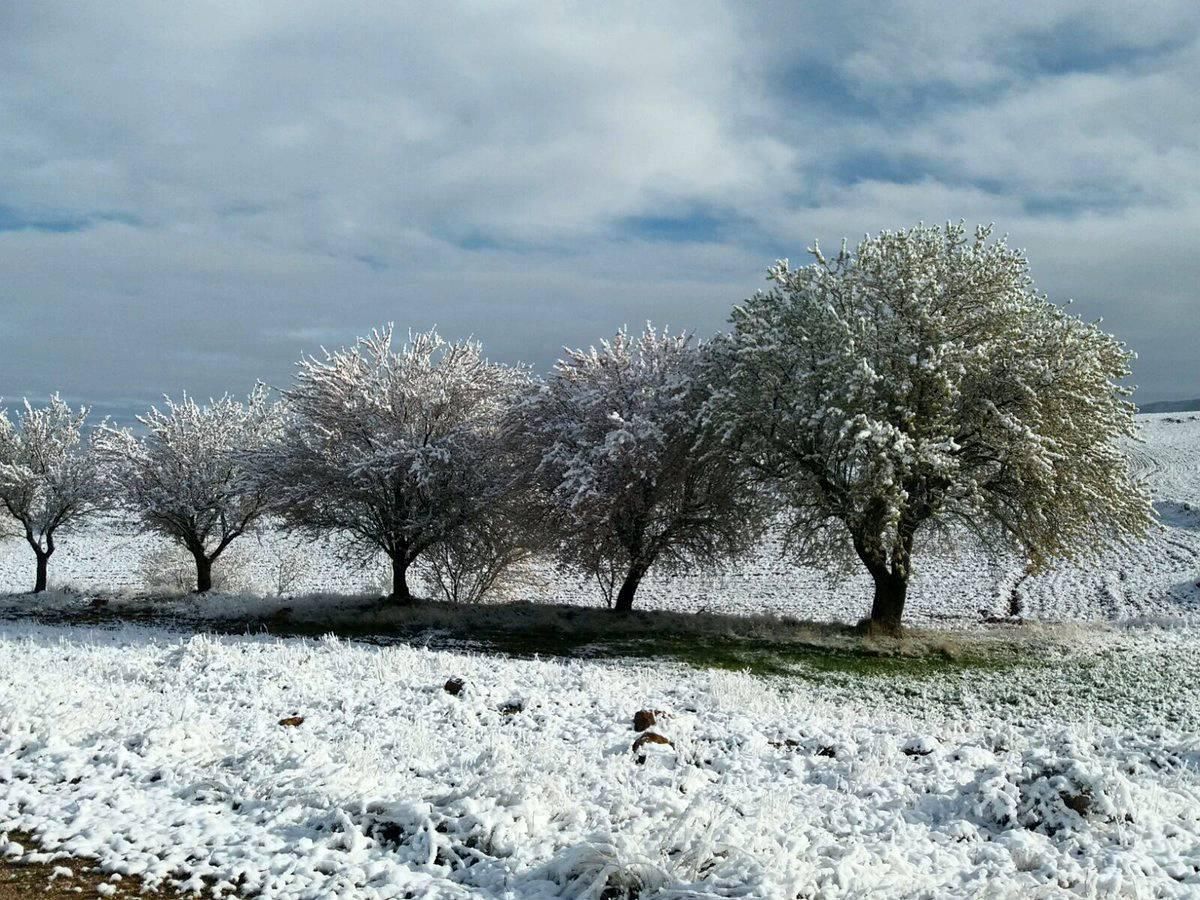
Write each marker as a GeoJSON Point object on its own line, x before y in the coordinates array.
{"type": "Point", "coordinates": [191, 196]}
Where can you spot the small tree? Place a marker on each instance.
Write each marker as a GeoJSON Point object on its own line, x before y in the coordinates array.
{"type": "Point", "coordinates": [633, 476]}
{"type": "Point", "coordinates": [921, 383]}
{"type": "Point", "coordinates": [392, 451]}
{"type": "Point", "coordinates": [48, 480]}
{"type": "Point", "coordinates": [188, 477]}
{"type": "Point", "coordinates": [479, 558]}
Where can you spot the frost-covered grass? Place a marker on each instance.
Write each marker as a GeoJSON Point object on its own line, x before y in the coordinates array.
{"type": "Point", "coordinates": [163, 756]}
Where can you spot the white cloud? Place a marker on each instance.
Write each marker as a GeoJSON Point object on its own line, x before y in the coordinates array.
{"type": "Point", "coordinates": [297, 169]}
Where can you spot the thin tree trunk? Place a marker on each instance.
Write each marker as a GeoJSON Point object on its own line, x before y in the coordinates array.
{"type": "Point", "coordinates": [43, 560]}
{"type": "Point", "coordinates": [42, 555]}
{"type": "Point", "coordinates": [203, 573]}
{"type": "Point", "coordinates": [887, 610]}
{"type": "Point", "coordinates": [628, 588]}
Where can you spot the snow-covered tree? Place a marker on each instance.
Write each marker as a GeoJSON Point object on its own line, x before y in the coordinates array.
{"type": "Point", "coordinates": [491, 553]}
{"type": "Point", "coordinates": [189, 476]}
{"type": "Point", "coordinates": [633, 476]}
{"type": "Point", "coordinates": [393, 452]}
{"type": "Point", "coordinates": [920, 385]}
{"type": "Point", "coordinates": [48, 479]}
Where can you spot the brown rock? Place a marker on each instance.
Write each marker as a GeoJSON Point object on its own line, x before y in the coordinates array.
{"type": "Point", "coordinates": [643, 719]}
{"type": "Point", "coordinates": [650, 738]}
{"type": "Point", "coordinates": [292, 721]}
{"type": "Point", "coordinates": [1080, 803]}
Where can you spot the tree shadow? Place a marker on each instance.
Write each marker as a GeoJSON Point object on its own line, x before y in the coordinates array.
{"type": "Point", "coordinates": [1186, 595]}
{"type": "Point", "coordinates": [1178, 514]}
{"type": "Point", "coordinates": [766, 645]}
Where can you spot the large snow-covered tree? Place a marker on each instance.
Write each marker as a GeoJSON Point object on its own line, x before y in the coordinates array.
{"type": "Point", "coordinates": [633, 476]}
{"type": "Point", "coordinates": [920, 384]}
{"type": "Point", "coordinates": [189, 476]}
{"type": "Point", "coordinates": [48, 478]}
{"type": "Point", "coordinates": [392, 451]}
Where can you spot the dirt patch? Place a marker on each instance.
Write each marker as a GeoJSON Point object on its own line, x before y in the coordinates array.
{"type": "Point", "coordinates": [21, 881]}
{"type": "Point", "coordinates": [86, 881]}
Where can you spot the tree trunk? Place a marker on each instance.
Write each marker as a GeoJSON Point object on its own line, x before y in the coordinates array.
{"type": "Point", "coordinates": [888, 608]}
{"type": "Point", "coordinates": [628, 588]}
{"type": "Point", "coordinates": [400, 592]}
{"type": "Point", "coordinates": [890, 575]}
{"type": "Point", "coordinates": [43, 560]}
{"type": "Point", "coordinates": [203, 573]}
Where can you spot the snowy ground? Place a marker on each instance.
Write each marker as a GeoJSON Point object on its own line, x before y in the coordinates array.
{"type": "Point", "coordinates": [1073, 771]}
{"type": "Point", "coordinates": [1156, 579]}
{"type": "Point", "coordinates": [163, 756]}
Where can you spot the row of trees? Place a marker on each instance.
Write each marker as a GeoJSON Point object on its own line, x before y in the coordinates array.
{"type": "Point", "coordinates": [916, 387]}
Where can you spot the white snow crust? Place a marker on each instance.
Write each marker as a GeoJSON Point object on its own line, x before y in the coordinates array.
{"type": "Point", "coordinates": [163, 756]}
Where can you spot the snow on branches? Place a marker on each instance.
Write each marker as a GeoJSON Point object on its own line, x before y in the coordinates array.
{"type": "Point", "coordinates": [393, 451]}
{"type": "Point", "coordinates": [189, 477]}
{"type": "Point", "coordinates": [915, 386]}
{"type": "Point", "coordinates": [921, 381]}
{"type": "Point", "coordinates": [632, 474]}
{"type": "Point", "coordinates": [48, 480]}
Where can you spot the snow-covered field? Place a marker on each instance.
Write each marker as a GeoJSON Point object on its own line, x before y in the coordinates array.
{"type": "Point", "coordinates": [163, 755]}
{"type": "Point", "coordinates": [1073, 772]}
{"type": "Point", "coordinates": [1156, 579]}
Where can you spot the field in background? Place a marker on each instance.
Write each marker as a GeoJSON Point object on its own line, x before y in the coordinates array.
{"type": "Point", "coordinates": [1039, 760]}
{"type": "Point", "coordinates": [1156, 579]}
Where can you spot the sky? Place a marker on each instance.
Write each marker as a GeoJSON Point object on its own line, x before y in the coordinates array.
{"type": "Point", "coordinates": [194, 195]}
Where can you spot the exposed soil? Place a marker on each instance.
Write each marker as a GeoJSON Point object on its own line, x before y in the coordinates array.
{"type": "Point", "coordinates": [22, 880]}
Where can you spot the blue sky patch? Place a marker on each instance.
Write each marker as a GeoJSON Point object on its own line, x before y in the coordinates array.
{"type": "Point", "coordinates": [1075, 46]}
{"type": "Point", "coordinates": [699, 226]}
{"type": "Point", "coordinates": [13, 219]}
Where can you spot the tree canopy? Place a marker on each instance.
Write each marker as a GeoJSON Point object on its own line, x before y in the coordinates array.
{"type": "Point", "coordinates": [189, 476]}
{"type": "Point", "coordinates": [48, 477]}
{"type": "Point", "coordinates": [634, 475]}
{"type": "Point", "coordinates": [392, 451]}
{"type": "Point", "coordinates": [920, 382]}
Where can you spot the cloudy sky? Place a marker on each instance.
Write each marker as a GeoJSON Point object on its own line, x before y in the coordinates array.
{"type": "Point", "coordinates": [193, 195]}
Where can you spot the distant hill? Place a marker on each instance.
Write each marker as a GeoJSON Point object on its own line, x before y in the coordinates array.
{"type": "Point", "coordinates": [1166, 406]}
